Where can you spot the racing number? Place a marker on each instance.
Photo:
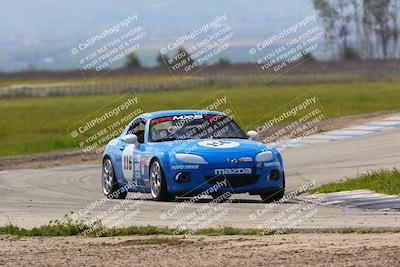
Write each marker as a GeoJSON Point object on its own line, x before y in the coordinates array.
{"type": "Point", "coordinates": [217, 143]}
{"type": "Point", "coordinates": [127, 165]}
{"type": "Point", "coordinates": [127, 161]}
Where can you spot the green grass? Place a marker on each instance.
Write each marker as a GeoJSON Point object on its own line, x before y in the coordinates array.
{"type": "Point", "coordinates": [69, 227]}
{"type": "Point", "coordinates": [291, 79]}
{"type": "Point", "coordinates": [38, 125]}
{"type": "Point", "coordinates": [380, 181]}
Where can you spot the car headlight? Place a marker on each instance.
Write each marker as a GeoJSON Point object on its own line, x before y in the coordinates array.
{"type": "Point", "coordinates": [190, 158]}
{"type": "Point", "coordinates": [265, 156]}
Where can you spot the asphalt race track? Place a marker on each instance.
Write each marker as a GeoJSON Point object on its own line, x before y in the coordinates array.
{"type": "Point", "coordinates": [33, 197]}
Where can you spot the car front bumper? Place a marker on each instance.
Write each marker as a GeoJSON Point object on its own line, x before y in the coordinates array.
{"type": "Point", "coordinates": [206, 176]}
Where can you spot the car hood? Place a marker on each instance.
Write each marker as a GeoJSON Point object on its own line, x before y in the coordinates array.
{"type": "Point", "coordinates": [213, 146]}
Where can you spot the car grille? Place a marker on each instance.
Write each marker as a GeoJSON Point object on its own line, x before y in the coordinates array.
{"type": "Point", "coordinates": [233, 181]}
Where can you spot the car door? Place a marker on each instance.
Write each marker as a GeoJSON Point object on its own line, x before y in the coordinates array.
{"type": "Point", "coordinates": [133, 153]}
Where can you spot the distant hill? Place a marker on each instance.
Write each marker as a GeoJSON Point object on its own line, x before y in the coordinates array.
{"type": "Point", "coordinates": [42, 32]}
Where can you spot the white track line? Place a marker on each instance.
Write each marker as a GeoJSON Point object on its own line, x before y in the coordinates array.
{"type": "Point", "coordinates": [345, 133]}
{"type": "Point", "coordinates": [360, 199]}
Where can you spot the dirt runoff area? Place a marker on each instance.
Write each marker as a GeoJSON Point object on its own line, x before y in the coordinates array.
{"type": "Point", "coordinates": [281, 250]}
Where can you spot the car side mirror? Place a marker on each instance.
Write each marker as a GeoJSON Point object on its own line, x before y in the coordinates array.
{"type": "Point", "coordinates": [253, 135]}
{"type": "Point", "coordinates": [130, 139]}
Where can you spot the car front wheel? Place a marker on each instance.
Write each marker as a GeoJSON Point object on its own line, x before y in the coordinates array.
{"type": "Point", "coordinates": [109, 182]}
{"type": "Point", "coordinates": [158, 183]}
{"type": "Point", "coordinates": [274, 195]}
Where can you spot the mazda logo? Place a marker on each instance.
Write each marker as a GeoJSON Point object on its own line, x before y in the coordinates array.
{"type": "Point", "coordinates": [232, 161]}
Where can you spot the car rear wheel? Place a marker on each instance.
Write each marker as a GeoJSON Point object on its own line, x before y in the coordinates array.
{"type": "Point", "coordinates": [158, 183]}
{"type": "Point", "coordinates": [109, 182]}
{"type": "Point", "coordinates": [274, 195]}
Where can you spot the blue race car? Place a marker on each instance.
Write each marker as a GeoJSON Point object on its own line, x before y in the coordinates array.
{"type": "Point", "coordinates": [186, 152]}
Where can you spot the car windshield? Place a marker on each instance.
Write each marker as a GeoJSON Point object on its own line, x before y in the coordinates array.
{"type": "Point", "coordinates": [183, 127]}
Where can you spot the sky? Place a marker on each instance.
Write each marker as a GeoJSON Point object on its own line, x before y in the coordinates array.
{"type": "Point", "coordinates": [42, 32]}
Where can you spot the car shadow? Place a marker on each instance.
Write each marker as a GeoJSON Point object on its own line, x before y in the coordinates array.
{"type": "Point", "coordinates": [209, 200]}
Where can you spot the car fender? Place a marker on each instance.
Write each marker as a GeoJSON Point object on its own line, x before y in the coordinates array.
{"type": "Point", "coordinates": [163, 157]}
{"type": "Point", "coordinates": [111, 151]}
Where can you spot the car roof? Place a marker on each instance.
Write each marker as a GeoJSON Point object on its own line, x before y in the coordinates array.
{"type": "Point", "coordinates": [165, 113]}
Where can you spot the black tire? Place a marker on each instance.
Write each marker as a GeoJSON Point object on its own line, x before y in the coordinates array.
{"type": "Point", "coordinates": [274, 195]}
{"type": "Point", "coordinates": [109, 182]}
{"type": "Point", "coordinates": [158, 183]}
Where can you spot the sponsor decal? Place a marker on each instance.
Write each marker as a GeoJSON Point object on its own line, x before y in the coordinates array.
{"type": "Point", "coordinates": [137, 175]}
{"type": "Point", "coordinates": [213, 117]}
{"type": "Point", "coordinates": [229, 171]}
{"type": "Point", "coordinates": [271, 164]}
{"type": "Point", "coordinates": [159, 120]}
{"type": "Point", "coordinates": [185, 167]}
{"type": "Point", "coordinates": [246, 159]}
{"type": "Point", "coordinates": [219, 144]}
{"type": "Point", "coordinates": [137, 166]}
{"type": "Point", "coordinates": [137, 158]}
{"type": "Point", "coordinates": [243, 159]}
{"type": "Point", "coordinates": [144, 163]}
{"type": "Point", "coordinates": [188, 117]}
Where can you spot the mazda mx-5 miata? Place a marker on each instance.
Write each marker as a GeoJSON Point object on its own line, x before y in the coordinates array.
{"type": "Point", "coordinates": [187, 152]}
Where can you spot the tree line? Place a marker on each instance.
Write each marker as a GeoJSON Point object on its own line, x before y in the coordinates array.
{"type": "Point", "coordinates": [361, 29]}
{"type": "Point", "coordinates": [163, 60]}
